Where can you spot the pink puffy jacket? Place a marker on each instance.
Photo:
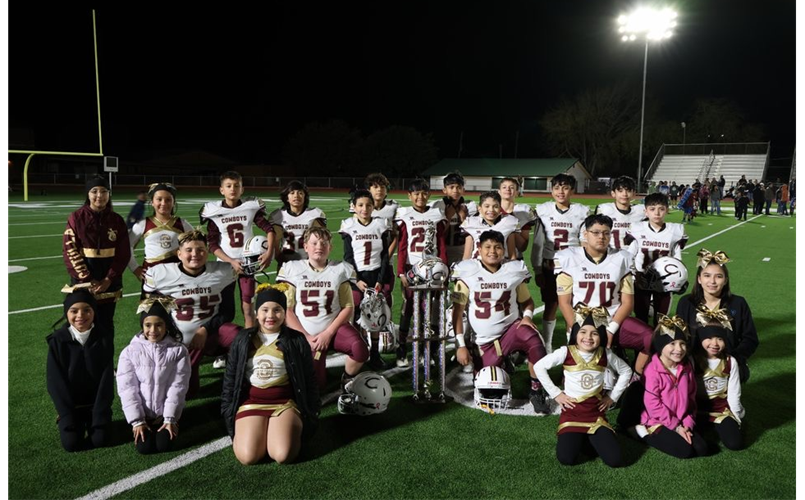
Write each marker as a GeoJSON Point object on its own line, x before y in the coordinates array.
{"type": "Point", "coordinates": [669, 401]}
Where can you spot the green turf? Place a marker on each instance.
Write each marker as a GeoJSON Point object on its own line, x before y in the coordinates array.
{"type": "Point", "coordinates": [410, 451]}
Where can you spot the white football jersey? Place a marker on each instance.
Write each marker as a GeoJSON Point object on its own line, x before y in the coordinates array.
{"type": "Point", "coordinates": [316, 292]}
{"type": "Point", "coordinates": [198, 298]}
{"type": "Point", "coordinates": [594, 284]}
{"type": "Point", "coordinates": [526, 215]}
{"type": "Point", "coordinates": [415, 224]}
{"type": "Point", "coordinates": [388, 211]}
{"type": "Point", "coordinates": [562, 229]}
{"type": "Point", "coordinates": [367, 241]}
{"type": "Point", "coordinates": [476, 225]}
{"type": "Point", "coordinates": [621, 222]}
{"type": "Point", "coordinates": [647, 245]}
{"type": "Point", "coordinates": [161, 240]}
{"type": "Point", "coordinates": [293, 229]}
{"type": "Point", "coordinates": [234, 224]}
{"type": "Point", "coordinates": [493, 304]}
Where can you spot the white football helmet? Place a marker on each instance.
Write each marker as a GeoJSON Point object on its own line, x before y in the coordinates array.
{"type": "Point", "coordinates": [375, 311]}
{"type": "Point", "coordinates": [430, 270]}
{"type": "Point", "coordinates": [667, 274]}
{"type": "Point", "coordinates": [254, 248]}
{"type": "Point", "coordinates": [367, 393]}
{"type": "Point", "coordinates": [492, 388]}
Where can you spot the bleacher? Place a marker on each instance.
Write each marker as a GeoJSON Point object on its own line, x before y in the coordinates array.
{"type": "Point", "coordinates": [684, 169]}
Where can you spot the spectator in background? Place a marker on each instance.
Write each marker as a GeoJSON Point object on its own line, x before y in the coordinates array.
{"type": "Point", "coordinates": [722, 183]}
{"type": "Point", "coordinates": [664, 188]}
{"type": "Point", "coordinates": [704, 196]}
{"type": "Point", "coordinates": [673, 191]}
{"type": "Point", "coordinates": [769, 195]}
{"type": "Point", "coordinates": [758, 197]}
{"type": "Point", "coordinates": [715, 197]}
{"type": "Point", "coordinates": [137, 212]}
{"type": "Point", "coordinates": [784, 198]}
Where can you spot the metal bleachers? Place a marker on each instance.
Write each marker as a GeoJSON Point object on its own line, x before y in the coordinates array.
{"type": "Point", "coordinates": [730, 160]}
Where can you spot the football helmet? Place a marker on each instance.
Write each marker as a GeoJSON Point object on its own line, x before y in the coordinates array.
{"type": "Point", "coordinates": [254, 248]}
{"type": "Point", "coordinates": [430, 270]}
{"type": "Point", "coordinates": [367, 393]}
{"type": "Point", "coordinates": [666, 274]}
{"type": "Point", "coordinates": [375, 311]}
{"type": "Point", "coordinates": [492, 388]}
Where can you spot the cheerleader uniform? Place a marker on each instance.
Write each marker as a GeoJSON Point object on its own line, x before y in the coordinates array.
{"type": "Point", "coordinates": [269, 391]}
{"type": "Point", "coordinates": [161, 240]}
{"type": "Point", "coordinates": [721, 385]}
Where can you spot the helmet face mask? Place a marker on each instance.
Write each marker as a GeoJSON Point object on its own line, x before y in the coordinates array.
{"type": "Point", "coordinates": [250, 260]}
{"type": "Point", "coordinates": [368, 393]}
{"type": "Point", "coordinates": [492, 389]}
{"type": "Point", "coordinates": [430, 270]}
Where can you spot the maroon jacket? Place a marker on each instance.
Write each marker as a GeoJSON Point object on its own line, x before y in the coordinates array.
{"type": "Point", "coordinates": [96, 246]}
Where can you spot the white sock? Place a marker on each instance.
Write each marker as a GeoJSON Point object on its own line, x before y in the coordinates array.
{"type": "Point", "coordinates": [547, 334]}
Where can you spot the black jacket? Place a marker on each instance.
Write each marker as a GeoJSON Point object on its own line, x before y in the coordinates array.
{"type": "Point", "coordinates": [81, 376]}
{"type": "Point", "coordinates": [298, 362]}
{"type": "Point", "coordinates": [745, 339]}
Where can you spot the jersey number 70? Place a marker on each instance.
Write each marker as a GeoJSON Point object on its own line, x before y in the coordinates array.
{"type": "Point", "coordinates": [606, 290]}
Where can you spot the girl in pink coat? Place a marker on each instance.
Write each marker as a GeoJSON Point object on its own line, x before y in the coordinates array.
{"type": "Point", "coordinates": [668, 419]}
{"type": "Point", "coordinates": [153, 375]}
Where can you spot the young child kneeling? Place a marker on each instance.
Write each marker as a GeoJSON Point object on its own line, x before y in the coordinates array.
{"type": "Point", "coordinates": [583, 401]}
{"type": "Point", "coordinates": [153, 375]}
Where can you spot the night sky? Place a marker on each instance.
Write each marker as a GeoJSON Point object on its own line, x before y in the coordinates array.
{"type": "Point", "coordinates": [238, 81]}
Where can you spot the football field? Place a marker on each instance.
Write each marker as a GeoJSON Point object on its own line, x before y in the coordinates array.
{"type": "Point", "coordinates": [410, 451]}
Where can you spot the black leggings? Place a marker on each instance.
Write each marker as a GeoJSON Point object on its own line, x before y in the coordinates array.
{"type": "Point", "coordinates": [155, 442]}
{"type": "Point", "coordinates": [81, 434]}
{"type": "Point", "coordinates": [569, 445]}
{"type": "Point", "coordinates": [670, 442]}
{"type": "Point", "coordinates": [730, 434]}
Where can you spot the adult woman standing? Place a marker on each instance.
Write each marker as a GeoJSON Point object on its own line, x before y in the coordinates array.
{"type": "Point", "coordinates": [96, 251]}
{"type": "Point", "coordinates": [711, 299]}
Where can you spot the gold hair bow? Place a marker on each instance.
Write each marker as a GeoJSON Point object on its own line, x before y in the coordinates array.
{"type": "Point", "coordinates": [168, 303]}
{"type": "Point", "coordinates": [705, 315]}
{"type": "Point", "coordinates": [282, 287]}
{"type": "Point", "coordinates": [669, 325]}
{"type": "Point", "coordinates": [706, 257]}
{"type": "Point", "coordinates": [166, 184]}
{"type": "Point", "coordinates": [600, 314]}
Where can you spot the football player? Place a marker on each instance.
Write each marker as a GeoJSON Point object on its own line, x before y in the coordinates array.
{"type": "Point", "coordinates": [648, 241]}
{"type": "Point", "coordinates": [597, 275]}
{"type": "Point", "coordinates": [490, 217]}
{"type": "Point", "coordinates": [292, 220]}
{"type": "Point", "coordinates": [621, 211]}
{"type": "Point", "coordinates": [494, 291]}
{"type": "Point", "coordinates": [559, 226]}
{"type": "Point", "coordinates": [508, 189]}
{"type": "Point", "coordinates": [320, 305]}
{"type": "Point", "coordinates": [456, 212]}
{"type": "Point", "coordinates": [205, 299]}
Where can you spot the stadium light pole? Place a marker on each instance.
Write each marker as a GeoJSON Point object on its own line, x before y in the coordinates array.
{"type": "Point", "coordinates": [647, 24]}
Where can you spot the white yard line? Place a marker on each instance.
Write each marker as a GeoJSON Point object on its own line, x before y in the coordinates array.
{"type": "Point", "coordinates": [35, 236]}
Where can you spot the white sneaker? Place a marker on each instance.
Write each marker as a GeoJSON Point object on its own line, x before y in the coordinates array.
{"type": "Point", "coordinates": [220, 362]}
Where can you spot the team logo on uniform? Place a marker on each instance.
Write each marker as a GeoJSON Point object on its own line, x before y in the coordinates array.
{"type": "Point", "coordinates": [165, 241]}
{"type": "Point", "coordinates": [264, 369]}
{"type": "Point", "coordinates": [112, 235]}
{"type": "Point", "coordinates": [711, 384]}
{"type": "Point", "coordinates": [587, 381]}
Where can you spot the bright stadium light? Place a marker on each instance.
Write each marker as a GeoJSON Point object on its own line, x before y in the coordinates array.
{"type": "Point", "coordinates": [650, 25]}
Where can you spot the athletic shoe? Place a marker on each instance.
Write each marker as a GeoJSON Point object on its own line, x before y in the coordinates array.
{"type": "Point", "coordinates": [376, 362]}
{"type": "Point", "coordinates": [402, 358]}
{"type": "Point", "coordinates": [220, 362]}
{"type": "Point", "coordinates": [539, 400]}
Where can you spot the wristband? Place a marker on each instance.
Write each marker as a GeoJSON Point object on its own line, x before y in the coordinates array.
{"type": "Point", "coordinates": [613, 327]}
{"type": "Point", "coordinates": [460, 340]}
{"type": "Point", "coordinates": [528, 313]}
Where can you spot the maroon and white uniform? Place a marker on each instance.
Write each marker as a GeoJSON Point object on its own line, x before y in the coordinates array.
{"type": "Point", "coordinates": [230, 228]}
{"type": "Point", "coordinates": [388, 211]}
{"type": "Point", "coordinates": [594, 284]}
{"type": "Point", "coordinates": [161, 240]}
{"type": "Point", "coordinates": [621, 221]}
{"type": "Point", "coordinates": [561, 228]}
{"type": "Point", "coordinates": [198, 298]}
{"type": "Point", "coordinates": [647, 244]}
{"type": "Point", "coordinates": [412, 229]}
{"type": "Point", "coordinates": [293, 231]}
{"type": "Point", "coordinates": [317, 296]}
{"type": "Point", "coordinates": [475, 225]}
{"type": "Point", "coordinates": [492, 300]}
{"type": "Point", "coordinates": [722, 388]}
{"type": "Point", "coordinates": [366, 241]}
{"type": "Point", "coordinates": [584, 382]}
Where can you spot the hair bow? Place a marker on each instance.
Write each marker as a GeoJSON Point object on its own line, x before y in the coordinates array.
{"type": "Point", "coordinates": [167, 303]}
{"type": "Point", "coordinates": [282, 287]}
{"type": "Point", "coordinates": [600, 314]}
{"type": "Point", "coordinates": [705, 315]}
{"type": "Point", "coordinates": [706, 257]}
{"type": "Point", "coordinates": [669, 326]}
